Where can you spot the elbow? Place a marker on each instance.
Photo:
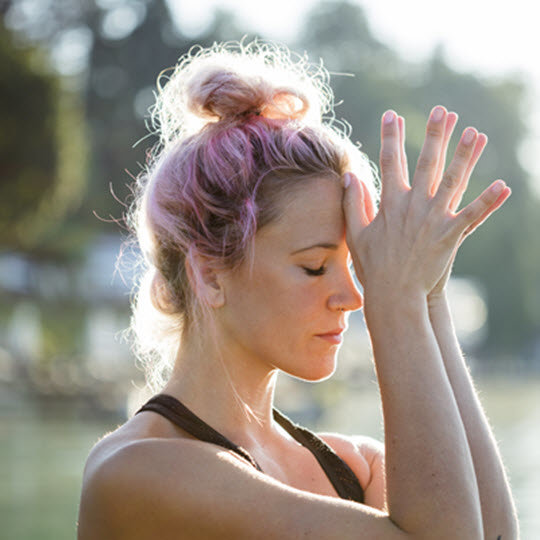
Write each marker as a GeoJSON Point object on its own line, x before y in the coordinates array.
{"type": "Point", "coordinates": [501, 523]}
{"type": "Point", "coordinates": [513, 524]}
{"type": "Point", "coordinates": [456, 525]}
{"type": "Point", "coordinates": [446, 528]}
{"type": "Point", "coordinates": [508, 529]}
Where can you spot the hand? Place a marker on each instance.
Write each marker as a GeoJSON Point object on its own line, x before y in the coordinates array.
{"type": "Point", "coordinates": [481, 142]}
{"type": "Point", "coordinates": [410, 244]}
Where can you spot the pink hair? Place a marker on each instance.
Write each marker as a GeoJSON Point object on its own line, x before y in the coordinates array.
{"type": "Point", "coordinates": [240, 127]}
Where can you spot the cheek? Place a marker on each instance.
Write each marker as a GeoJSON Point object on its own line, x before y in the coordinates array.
{"type": "Point", "coordinates": [273, 304]}
{"type": "Point", "coordinates": [274, 319]}
{"type": "Point", "coordinates": [289, 299]}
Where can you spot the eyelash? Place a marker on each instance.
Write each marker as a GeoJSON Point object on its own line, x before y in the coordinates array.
{"type": "Point", "coordinates": [322, 270]}
{"type": "Point", "coordinates": [315, 272]}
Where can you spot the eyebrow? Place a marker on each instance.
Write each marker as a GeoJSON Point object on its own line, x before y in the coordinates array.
{"type": "Point", "coordinates": [323, 245]}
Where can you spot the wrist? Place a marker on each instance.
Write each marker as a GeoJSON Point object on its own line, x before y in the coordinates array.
{"type": "Point", "coordinates": [390, 306]}
{"type": "Point", "coordinates": [438, 300]}
{"type": "Point", "coordinates": [392, 295]}
{"type": "Point", "coordinates": [440, 314]}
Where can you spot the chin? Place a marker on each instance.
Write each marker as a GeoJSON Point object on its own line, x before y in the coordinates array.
{"type": "Point", "coordinates": [316, 370]}
{"type": "Point", "coordinates": [319, 378]}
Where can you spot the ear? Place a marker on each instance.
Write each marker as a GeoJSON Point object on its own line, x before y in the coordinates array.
{"type": "Point", "coordinates": [205, 280]}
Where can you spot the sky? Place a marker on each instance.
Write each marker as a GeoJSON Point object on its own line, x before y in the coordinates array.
{"type": "Point", "coordinates": [477, 37]}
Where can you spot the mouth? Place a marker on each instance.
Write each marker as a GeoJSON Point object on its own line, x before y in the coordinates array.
{"type": "Point", "coordinates": [334, 336]}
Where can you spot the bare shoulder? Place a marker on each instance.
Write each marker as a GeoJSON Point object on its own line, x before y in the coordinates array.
{"type": "Point", "coordinates": [358, 445]}
{"type": "Point", "coordinates": [167, 488]}
{"type": "Point", "coordinates": [147, 488]}
{"type": "Point", "coordinates": [365, 456]}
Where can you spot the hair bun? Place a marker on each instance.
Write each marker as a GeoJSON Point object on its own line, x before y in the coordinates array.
{"type": "Point", "coordinates": [233, 80]}
{"type": "Point", "coordinates": [219, 93]}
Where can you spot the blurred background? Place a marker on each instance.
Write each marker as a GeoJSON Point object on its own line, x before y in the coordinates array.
{"type": "Point", "coordinates": [77, 78]}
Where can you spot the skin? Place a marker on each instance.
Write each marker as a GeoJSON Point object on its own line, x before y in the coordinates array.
{"type": "Point", "coordinates": [276, 297]}
{"type": "Point", "coordinates": [424, 210]}
{"type": "Point", "coordinates": [439, 474]}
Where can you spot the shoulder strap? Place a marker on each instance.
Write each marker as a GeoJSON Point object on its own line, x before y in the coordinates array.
{"type": "Point", "coordinates": [339, 473]}
{"type": "Point", "coordinates": [179, 414]}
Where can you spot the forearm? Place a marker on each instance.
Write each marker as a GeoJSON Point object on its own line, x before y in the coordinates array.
{"type": "Point", "coordinates": [431, 486]}
{"type": "Point", "coordinates": [498, 511]}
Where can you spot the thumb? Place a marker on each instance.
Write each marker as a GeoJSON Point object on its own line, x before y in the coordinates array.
{"type": "Point", "coordinates": [356, 203]}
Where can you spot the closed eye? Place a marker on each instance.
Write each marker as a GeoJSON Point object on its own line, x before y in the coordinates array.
{"type": "Point", "coordinates": [314, 271]}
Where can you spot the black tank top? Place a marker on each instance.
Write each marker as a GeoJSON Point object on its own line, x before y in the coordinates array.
{"type": "Point", "coordinates": [339, 473]}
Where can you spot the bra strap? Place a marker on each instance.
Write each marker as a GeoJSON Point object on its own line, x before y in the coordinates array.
{"type": "Point", "coordinates": [179, 414]}
{"type": "Point", "coordinates": [339, 473]}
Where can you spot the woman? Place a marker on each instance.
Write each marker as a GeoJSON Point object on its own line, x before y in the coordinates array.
{"type": "Point", "coordinates": [249, 217]}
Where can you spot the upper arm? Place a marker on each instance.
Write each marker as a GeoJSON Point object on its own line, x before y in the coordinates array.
{"type": "Point", "coordinates": [365, 456]}
{"type": "Point", "coordinates": [373, 452]}
{"type": "Point", "coordinates": [159, 489]}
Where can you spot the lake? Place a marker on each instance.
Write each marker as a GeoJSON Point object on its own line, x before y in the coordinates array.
{"type": "Point", "coordinates": [43, 448]}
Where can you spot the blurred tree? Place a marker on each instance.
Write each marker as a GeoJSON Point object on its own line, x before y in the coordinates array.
{"type": "Point", "coordinates": [339, 33]}
{"type": "Point", "coordinates": [111, 51]}
{"type": "Point", "coordinates": [122, 76]}
{"type": "Point", "coordinates": [24, 181]}
{"type": "Point", "coordinates": [41, 181]}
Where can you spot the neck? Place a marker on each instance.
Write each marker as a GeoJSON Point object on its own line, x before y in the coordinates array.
{"type": "Point", "coordinates": [229, 389]}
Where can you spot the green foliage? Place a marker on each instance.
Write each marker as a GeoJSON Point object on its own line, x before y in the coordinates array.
{"type": "Point", "coordinates": [27, 138]}
{"type": "Point", "coordinates": [42, 153]}
{"type": "Point", "coordinates": [43, 142]}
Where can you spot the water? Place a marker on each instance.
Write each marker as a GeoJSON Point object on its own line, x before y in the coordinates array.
{"type": "Point", "coordinates": [43, 450]}
{"type": "Point", "coordinates": [43, 447]}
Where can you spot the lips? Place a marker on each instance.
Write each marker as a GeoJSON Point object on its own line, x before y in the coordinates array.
{"type": "Point", "coordinates": [334, 336]}
{"type": "Point", "coordinates": [339, 330]}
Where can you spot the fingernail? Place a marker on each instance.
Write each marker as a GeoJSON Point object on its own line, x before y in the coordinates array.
{"type": "Point", "coordinates": [498, 186]}
{"type": "Point", "coordinates": [346, 180]}
{"type": "Point", "coordinates": [437, 114]}
{"type": "Point", "coordinates": [389, 117]}
{"type": "Point", "coordinates": [469, 135]}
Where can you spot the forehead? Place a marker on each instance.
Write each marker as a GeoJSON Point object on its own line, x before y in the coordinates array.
{"type": "Point", "coordinates": [312, 212]}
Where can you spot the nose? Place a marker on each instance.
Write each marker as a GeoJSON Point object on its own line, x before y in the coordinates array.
{"type": "Point", "coordinates": [346, 296]}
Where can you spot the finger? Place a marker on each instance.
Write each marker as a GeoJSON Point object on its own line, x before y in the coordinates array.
{"type": "Point", "coordinates": [426, 167]}
{"type": "Point", "coordinates": [481, 143]}
{"type": "Point", "coordinates": [354, 203]}
{"type": "Point", "coordinates": [369, 205]}
{"type": "Point", "coordinates": [495, 206]}
{"type": "Point", "coordinates": [477, 211]}
{"type": "Point", "coordinates": [403, 154]}
{"type": "Point", "coordinates": [451, 121]}
{"type": "Point", "coordinates": [453, 176]}
{"type": "Point", "coordinates": [391, 175]}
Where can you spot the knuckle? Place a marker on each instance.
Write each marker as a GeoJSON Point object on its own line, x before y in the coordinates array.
{"type": "Point", "coordinates": [388, 157]}
{"type": "Point", "coordinates": [469, 213]}
{"type": "Point", "coordinates": [450, 179]}
{"type": "Point", "coordinates": [433, 130]}
{"type": "Point", "coordinates": [389, 129]}
{"type": "Point", "coordinates": [427, 162]}
{"type": "Point", "coordinates": [487, 199]}
{"type": "Point", "coordinates": [462, 153]}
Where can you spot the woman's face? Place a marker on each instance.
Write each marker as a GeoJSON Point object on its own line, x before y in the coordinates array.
{"type": "Point", "coordinates": [290, 310]}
